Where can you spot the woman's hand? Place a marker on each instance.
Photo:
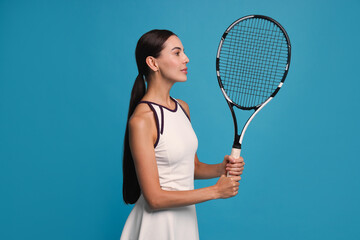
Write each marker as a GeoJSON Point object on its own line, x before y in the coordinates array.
{"type": "Point", "coordinates": [227, 187]}
{"type": "Point", "coordinates": [235, 166]}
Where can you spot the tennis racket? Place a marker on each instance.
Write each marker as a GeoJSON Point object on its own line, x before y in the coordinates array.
{"type": "Point", "coordinates": [252, 62]}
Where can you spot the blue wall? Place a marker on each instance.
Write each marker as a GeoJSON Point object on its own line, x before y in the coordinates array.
{"type": "Point", "coordinates": [66, 71]}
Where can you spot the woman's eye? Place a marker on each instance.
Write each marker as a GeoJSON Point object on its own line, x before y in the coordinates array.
{"type": "Point", "coordinates": [177, 53]}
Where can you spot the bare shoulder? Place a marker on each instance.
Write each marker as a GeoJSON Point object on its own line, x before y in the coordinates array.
{"type": "Point", "coordinates": [142, 118]}
{"type": "Point", "coordinates": [185, 106]}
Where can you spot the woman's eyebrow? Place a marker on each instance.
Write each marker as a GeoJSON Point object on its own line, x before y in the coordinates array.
{"type": "Point", "coordinates": [176, 48]}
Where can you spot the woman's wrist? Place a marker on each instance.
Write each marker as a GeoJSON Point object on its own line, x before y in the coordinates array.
{"type": "Point", "coordinates": [221, 169]}
{"type": "Point", "coordinates": [214, 192]}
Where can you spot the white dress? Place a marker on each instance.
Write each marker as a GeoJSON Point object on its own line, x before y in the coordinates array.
{"type": "Point", "coordinates": [175, 150]}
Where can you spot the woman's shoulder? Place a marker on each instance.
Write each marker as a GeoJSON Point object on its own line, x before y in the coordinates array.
{"type": "Point", "coordinates": [184, 105]}
{"type": "Point", "coordinates": [142, 117]}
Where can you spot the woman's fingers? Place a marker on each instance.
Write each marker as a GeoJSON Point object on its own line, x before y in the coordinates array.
{"type": "Point", "coordinates": [236, 179]}
{"type": "Point", "coordinates": [228, 186]}
{"type": "Point", "coordinates": [235, 171]}
{"type": "Point", "coordinates": [235, 187]}
{"type": "Point", "coordinates": [234, 160]}
{"type": "Point", "coordinates": [235, 166]}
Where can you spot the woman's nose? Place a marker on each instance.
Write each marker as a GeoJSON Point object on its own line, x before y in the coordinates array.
{"type": "Point", "coordinates": [186, 59]}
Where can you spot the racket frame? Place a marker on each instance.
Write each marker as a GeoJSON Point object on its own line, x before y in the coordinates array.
{"type": "Point", "coordinates": [236, 149]}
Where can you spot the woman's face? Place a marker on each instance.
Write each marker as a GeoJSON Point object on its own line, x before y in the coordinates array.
{"type": "Point", "coordinates": [172, 60]}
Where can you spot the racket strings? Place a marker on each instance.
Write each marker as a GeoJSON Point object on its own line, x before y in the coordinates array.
{"type": "Point", "coordinates": [252, 61]}
{"type": "Point", "coordinates": [255, 70]}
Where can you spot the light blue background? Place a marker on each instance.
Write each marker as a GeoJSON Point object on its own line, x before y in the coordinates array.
{"type": "Point", "coordinates": [66, 71]}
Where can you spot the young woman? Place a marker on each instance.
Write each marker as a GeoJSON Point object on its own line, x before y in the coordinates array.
{"type": "Point", "coordinates": [160, 161]}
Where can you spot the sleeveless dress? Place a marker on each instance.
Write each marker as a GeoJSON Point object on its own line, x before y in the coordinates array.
{"type": "Point", "coordinates": [175, 150]}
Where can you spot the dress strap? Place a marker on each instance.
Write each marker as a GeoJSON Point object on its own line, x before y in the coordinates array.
{"type": "Point", "coordinates": [159, 118]}
{"type": "Point", "coordinates": [182, 109]}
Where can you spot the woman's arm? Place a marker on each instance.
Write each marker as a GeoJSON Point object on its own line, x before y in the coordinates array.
{"type": "Point", "coordinates": [143, 134]}
{"type": "Point", "coordinates": [206, 171]}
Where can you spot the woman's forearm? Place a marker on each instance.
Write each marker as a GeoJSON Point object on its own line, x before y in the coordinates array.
{"type": "Point", "coordinates": [169, 199]}
{"type": "Point", "coordinates": [206, 171]}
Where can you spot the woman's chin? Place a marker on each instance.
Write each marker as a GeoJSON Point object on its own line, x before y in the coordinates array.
{"type": "Point", "coordinates": [184, 79]}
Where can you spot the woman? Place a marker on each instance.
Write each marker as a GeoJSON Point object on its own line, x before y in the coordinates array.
{"type": "Point", "coordinates": [160, 161]}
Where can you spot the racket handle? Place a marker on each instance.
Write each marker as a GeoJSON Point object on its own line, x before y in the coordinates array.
{"type": "Point", "coordinates": [235, 153]}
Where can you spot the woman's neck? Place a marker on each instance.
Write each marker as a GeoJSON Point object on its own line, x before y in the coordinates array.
{"type": "Point", "coordinates": [159, 92]}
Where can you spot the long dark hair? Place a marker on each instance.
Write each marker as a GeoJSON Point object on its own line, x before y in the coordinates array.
{"type": "Point", "coordinates": [150, 44]}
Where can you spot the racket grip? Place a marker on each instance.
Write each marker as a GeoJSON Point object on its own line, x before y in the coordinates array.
{"type": "Point", "coordinates": [235, 153]}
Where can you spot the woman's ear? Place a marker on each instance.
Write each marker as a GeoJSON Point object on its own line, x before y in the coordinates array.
{"type": "Point", "coordinates": [151, 62]}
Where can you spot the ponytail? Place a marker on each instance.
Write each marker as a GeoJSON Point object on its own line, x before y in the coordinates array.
{"type": "Point", "coordinates": [137, 93]}
{"type": "Point", "coordinates": [150, 44]}
{"type": "Point", "coordinates": [131, 187]}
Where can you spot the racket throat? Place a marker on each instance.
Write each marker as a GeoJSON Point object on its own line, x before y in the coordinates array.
{"type": "Point", "coordinates": [237, 143]}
